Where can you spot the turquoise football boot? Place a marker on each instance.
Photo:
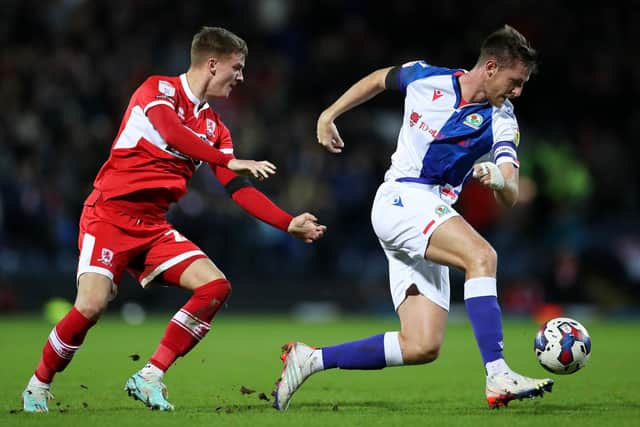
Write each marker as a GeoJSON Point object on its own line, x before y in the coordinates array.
{"type": "Point", "coordinates": [152, 393]}
{"type": "Point", "coordinates": [36, 399]}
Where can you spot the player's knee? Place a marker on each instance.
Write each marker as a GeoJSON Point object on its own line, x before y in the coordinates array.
{"type": "Point", "coordinates": [427, 353]}
{"type": "Point", "coordinates": [91, 307]}
{"type": "Point", "coordinates": [215, 292]}
{"type": "Point", "coordinates": [420, 352]}
{"type": "Point", "coordinates": [94, 293]}
{"type": "Point", "coordinates": [223, 290]}
{"type": "Point", "coordinates": [485, 260]}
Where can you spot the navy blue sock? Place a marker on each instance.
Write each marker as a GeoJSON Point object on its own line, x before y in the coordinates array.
{"type": "Point", "coordinates": [486, 320]}
{"type": "Point", "coordinates": [367, 353]}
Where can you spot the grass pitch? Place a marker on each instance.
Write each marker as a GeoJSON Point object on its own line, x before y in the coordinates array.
{"type": "Point", "coordinates": [205, 387]}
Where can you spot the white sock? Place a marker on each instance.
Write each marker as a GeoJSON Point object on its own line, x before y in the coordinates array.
{"type": "Point", "coordinates": [392, 350]}
{"type": "Point", "coordinates": [498, 366]}
{"type": "Point", "coordinates": [317, 362]}
{"type": "Point", "coordinates": [35, 382]}
{"type": "Point", "coordinates": [151, 370]}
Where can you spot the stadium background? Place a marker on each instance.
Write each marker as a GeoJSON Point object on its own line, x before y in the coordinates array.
{"type": "Point", "coordinates": [67, 69]}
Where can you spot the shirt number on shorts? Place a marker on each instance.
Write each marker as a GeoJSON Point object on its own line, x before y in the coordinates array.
{"type": "Point", "coordinates": [177, 236]}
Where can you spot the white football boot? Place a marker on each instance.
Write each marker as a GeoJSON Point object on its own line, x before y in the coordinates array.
{"type": "Point", "coordinates": [505, 387]}
{"type": "Point", "coordinates": [299, 363]}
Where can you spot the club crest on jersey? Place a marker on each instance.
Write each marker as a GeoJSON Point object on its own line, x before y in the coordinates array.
{"type": "Point", "coordinates": [473, 120]}
{"type": "Point", "coordinates": [166, 88]}
{"type": "Point", "coordinates": [413, 118]}
{"type": "Point", "coordinates": [211, 127]}
{"type": "Point", "coordinates": [106, 257]}
{"type": "Point", "coordinates": [442, 210]}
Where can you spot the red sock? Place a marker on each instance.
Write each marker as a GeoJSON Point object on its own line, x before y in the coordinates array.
{"type": "Point", "coordinates": [189, 325]}
{"type": "Point", "coordinates": [64, 340]}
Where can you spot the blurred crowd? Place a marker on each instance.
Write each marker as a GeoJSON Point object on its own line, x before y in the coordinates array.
{"type": "Point", "coordinates": [68, 67]}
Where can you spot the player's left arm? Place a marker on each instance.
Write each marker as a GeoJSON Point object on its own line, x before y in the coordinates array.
{"type": "Point", "coordinates": [503, 179]}
{"type": "Point", "coordinates": [502, 175]}
{"type": "Point", "coordinates": [508, 195]}
{"type": "Point", "coordinates": [258, 205]}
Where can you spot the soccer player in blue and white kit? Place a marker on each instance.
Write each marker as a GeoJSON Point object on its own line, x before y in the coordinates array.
{"type": "Point", "coordinates": [452, 118]}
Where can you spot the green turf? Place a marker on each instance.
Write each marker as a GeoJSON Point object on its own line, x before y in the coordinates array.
{"type": "Point", "coordinates": [205, 386]}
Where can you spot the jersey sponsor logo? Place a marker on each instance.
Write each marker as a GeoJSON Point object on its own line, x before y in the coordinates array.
{"type": "Point", "coordinates": [166, 88]}
{"type": "Point", "coordinates": [106, 257]}
{"type": "Point", "coordinates": [437, 93]}
{"type": "Point", "coordinates": [205, 139]}
{"type": "Point", "coordinates": [473, 120]}
{"type": "Point", "coordinates": [180, 155]}
{"type": "Point", "coordinates": [413, 118]}
{"type": "Point", "coordinates": [211, 127]}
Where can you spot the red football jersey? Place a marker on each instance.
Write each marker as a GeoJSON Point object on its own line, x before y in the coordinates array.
{"type": "Point", "coordinates": [140, 158]}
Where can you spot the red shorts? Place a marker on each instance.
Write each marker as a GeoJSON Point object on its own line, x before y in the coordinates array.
{"type": "Point", "coordinates": [116, 236]}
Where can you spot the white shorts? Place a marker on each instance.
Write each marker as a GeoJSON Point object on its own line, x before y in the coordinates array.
{"type": "Point", "coordinates": [404, 216]}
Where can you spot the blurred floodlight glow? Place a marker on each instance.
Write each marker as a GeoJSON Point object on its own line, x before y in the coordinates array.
{"type": "Point", "coordinates": [133, 313]}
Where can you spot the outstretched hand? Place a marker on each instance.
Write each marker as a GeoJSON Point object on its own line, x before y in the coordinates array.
{"type": "Point", "coordinates": [328, 135]}
{"type": "Point", "coordinates": [253, 168]}
{"type": "Point", "coordinates": [305, 228]}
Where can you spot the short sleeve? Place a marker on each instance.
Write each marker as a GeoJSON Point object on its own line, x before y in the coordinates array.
{"type": "Point", "coordinates": [408, 73]}
{"type": "Point", "coordinates": [506, 136]}
{"type": "Point", "coordinates": [156, 91]}
{"type": "Point", "coordinates": [400, 78]}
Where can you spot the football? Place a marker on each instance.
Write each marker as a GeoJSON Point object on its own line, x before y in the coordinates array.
{"type": "Point", "coordinates": [562, 345]}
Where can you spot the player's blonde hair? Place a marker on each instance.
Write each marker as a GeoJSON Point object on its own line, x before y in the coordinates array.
{"type": "Point", "coordinates": [215, 40]}
{"type": "Point", "coordinates": [507, 45]}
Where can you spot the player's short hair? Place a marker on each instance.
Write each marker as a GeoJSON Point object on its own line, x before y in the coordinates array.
{"type": "Point", "coordinates": [215, 40]}
{"type": "Point", "coordinates": [507, 45]}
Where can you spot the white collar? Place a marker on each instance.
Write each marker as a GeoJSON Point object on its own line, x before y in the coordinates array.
{"type": "Point", "coordinates": [185, 85]}
{"type": "Point", "coordinates": [198, 104]}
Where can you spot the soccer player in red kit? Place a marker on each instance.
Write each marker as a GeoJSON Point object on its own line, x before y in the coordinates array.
{"type": "Point", "coordinates": [168, 131]}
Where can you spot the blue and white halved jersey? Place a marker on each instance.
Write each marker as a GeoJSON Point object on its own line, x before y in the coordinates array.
{"type": "Point", "coordinates": [440, 139]}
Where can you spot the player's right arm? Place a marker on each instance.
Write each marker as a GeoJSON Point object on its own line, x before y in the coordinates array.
{"type": "Point", "coordinates": [166, 122]}
{"type": "Point", "coordinates": [362, 91]}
